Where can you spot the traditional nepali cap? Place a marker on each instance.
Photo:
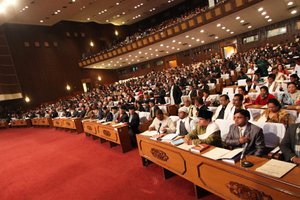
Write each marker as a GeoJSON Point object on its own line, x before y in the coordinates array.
{"type": "Point", "coordinates": [183, 109]}
{"type": "Point", "coordinates": [205, 114]}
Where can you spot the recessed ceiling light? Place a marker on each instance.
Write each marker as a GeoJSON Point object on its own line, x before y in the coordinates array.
{"type": "Point", "coordinates": [140, 52]}
{"type": "Point", "coordinates": [238, 17]}
{"type": "Point", "coordinates": [269, 20]}
{"type": "Point", "coordinates": [173, 47]}
{"type": "Point", "coordinates": [264, 13]}
{"type": "Point", "coordinates": [167, 52]}
{"type": "Point", "coordinates": [187, 36]}
{"type": "Point", "coordinates": [293, 12]}
{"type": "Point", "coordinates": [167, 46]}
{"type": "Point", "coordinates": [202, 41]}
{"type": "Point", "coordinates": [242, 21]}
{"type": "Point", "coordinates": [174, 41]}
{"type": "Point", "coordinates": [190, 45]}
{"type": "Point", "coordinates": [117, 3]}
{"type": "Point", "coordinates": [290, 3]}
{"type": "Point", "coordinates": [249, 26]}
{"type": "Point", "coordinates": [202, 31]}
{"type": "Point", "coordinates": [178, 49]}
{"type": "Point", "coordinates": [260, 9]}
{"type": "Point", "coordinates": [231, 32]}
{"type": "Point", "coordinates": [227, 30]}
{"type": "Point", "coordinates": [161, 45]}
{"type": "Point", "coordinates": [267, 17]}
{"type": "Point", "coordinates": [192, 38]}
{"type": "Point", "coordinates": [198, 40]}
{"type": "Point", "coordinates": [218, 25]}
{"type": "Point", "coordinates": [150, 49]}
{"type": "Point", "coordinates": [42, 21]}
{"type": "Point", "coordinates": [88, 19]}
{"type": "Point", "coordinates": [73, 0]}
{"type": "Point", "coordinates": [223, 27]}
{"type": "Point", "coordinates": [179, 42]}
{"type": "Point", "coordinates": [216, 37]}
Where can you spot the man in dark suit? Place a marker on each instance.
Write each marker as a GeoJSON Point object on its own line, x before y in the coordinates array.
{"type": "Point", "coordinates": [113, 114]}
{"type": "Point", "coordinates": [123, 117]}
{"type": "Point", "coordinates": [152, 109]}
{"type": "Point", "coordinates": [242, 132]}
{"type": "Point", "coordinates": [290, 145]}
{"type": "Point", "coordinates": [175, 94]}
{"type": "Point", "coordinates": [200, 106]}
{"type": "Point", "coordinates": [160, 97]}
{"type": "Point", "coordinates": [133, 123]}
{"type": "Point", "coordinates": [192, 92]}
{"type": "Point", "coordinates": [82, 112]}
{"type": "Point", "coordinates": [53, 113]}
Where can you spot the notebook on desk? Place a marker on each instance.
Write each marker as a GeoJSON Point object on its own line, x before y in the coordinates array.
{"type": "Point", "coordinates": [276, 168]}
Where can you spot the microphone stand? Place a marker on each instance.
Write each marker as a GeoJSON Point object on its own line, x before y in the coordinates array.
{"type": "Point", "coordinates": [243, 161]}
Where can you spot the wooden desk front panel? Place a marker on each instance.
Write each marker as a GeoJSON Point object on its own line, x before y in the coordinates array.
{"type": "Point", "coordinates": [21, 122]}
{"type": "Point", "coordinates": [41, 121]}
{"type": "Point", "coordinates": [35, 121]}
{"type": "Point", "coordinates": [58, 123]}
{"type": "Point", "coordinates": [90, 127]}
{"type": "Point", "coordinates": [3, 124]}
{"type": "Point", "coordinates": [225, 180]}
{"type": "Point", "coordinates": [109, 133]}
{"type": "Point", "coordinates": [69, 124]}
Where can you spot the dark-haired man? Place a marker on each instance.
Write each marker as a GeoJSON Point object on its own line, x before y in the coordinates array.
{"type": "Point", "coordinates": [243, 132]}
{"type": "Point", "coordinates": [162, 123]}
{"type": "Point", "coordinates": [224, 108]}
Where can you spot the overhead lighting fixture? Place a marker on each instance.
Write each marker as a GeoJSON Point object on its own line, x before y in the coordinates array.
{"type": "Point", "coordinates": [231, 32]}
{"type": "Point", "coordinates": [264, 13]}
{"type": "Point", "coordinates": [238, 17]}
{"type": "Point", "coordinates": [174, 41]}
{"type": "Point", "coordinates": [187, 36]}
{"type": "Point", "coordinates": [267, 17]}
{"type": "Point", "coordinates": [41, 21]}
{"type": "Point", "coordinates": [216, 37]}
{"type": "Point", "coordinates": [242, 21]}
{"type": "Point", "coordinates": [260, 9]}
{"type": "Point", "coordinates": [223, 27]}
{"type": "Point", "coordinates": [197, 40]}
{"type": "Point", "coordinates": [117, 3]}
{"type": "Point", "coordinates": [190, 45]}
{"type": "Point", "coordinates": [293, 12]}
{"type": "Point", "coordinates": [269, 20]}
{"type": "Point", "coordinates": [290, 3]}
{"type": "Point", "coordinates": [202, 41]}
{"type": "Point", "coordinates": [202, 31]}
{"type": "Point", "coordinates": [249, 27]}
{"type": "Point", "coordinates": [218, 25]}
{"type": "Point", "coordinates": [27, 99]}
{"type": "Point", "coordinates": [227, 30]}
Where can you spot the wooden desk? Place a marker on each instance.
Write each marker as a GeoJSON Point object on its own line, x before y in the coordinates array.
{"type": "Point", "coordinates": [115, 135]}
{"type": "Point", "coordinates": [68, 123]}
{"type": "Point", "coordinates": [42, 122]}
{"type": "Point", "coordinates": [21, 122]}
{"type": "Point", "coordinates": [3, 124]}
{"type": "Point", "coordinates": [225, 180]}
{"type": "Point", "coordinates": [297, 108]}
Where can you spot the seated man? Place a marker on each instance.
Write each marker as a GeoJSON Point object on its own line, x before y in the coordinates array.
{"type": "Point", "coordinates": [237, 102]}
{"type": "Point", "coordinates": [242, 132]}
{"type": "Point", "coordinates": [123, 117]}
{"type": "Point", "coordinates": [113, 114]}
{"type": "Point", "coordinates": [206, 131]}
{"type": "Point", "coordinates": [133, 124]}
{"type": "Point", "coordinates": [162, 123]}
{"type": "Point", "coordinates": [185, 124]}
{"type": "Point", "coordinates": [263, 97]}
{"type": "Point", "coordinates": [223, 109]}
{"type": "Point", "coordinates": [152, 109]}
{"type": "Point", "coordinates": [192, 110]}
{"type": "Point", "coordinates": [290, 145]}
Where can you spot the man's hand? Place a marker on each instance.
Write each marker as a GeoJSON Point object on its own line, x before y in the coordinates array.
{"type": "Point", "coordinates": [151, 128]}
{"type": "Point", "coordinates": [244, 139]}
{"type": "Point", "coordinates": [296, 160]}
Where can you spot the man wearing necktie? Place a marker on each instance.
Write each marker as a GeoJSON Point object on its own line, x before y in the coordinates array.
{"type": "Point", "coordinates": [242, 132]}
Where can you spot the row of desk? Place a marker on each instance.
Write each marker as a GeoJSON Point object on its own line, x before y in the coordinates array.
{"type": "Point", "coordinates": [114, 134]}
{"type": "Point", "coordinates": [225, 180]}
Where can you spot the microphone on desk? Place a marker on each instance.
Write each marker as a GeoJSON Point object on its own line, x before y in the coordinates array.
{"type": "Point", "coordinates": [159, 127]}
{"type": "Point", "coordinates": [245, 163]}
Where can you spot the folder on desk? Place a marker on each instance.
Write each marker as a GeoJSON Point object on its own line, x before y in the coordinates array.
{"type": "Point", "coordinates": [276, 168]}
{"type": "Point", "coordinates": [229, 156]}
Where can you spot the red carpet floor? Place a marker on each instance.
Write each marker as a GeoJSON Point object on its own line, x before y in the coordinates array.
{"type": "Point", "coordinates": [44, 163]}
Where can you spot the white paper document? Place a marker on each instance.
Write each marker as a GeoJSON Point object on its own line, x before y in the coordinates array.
{"type": "Point", "coordinates": [185, 146]}
{"type": "Point", "coordinates": [169, 137]}
{"type": "Point", "coordinates": [216, 153]}
{"type": "Point", "coordinates": [149, 133]}
{"type": "Point", "coordinates": [276, 168]}
{"type": "Point", "coordinates": [118, 124]}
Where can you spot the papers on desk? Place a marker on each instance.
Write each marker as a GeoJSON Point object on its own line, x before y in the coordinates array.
{"type": "Point", "coordinates": [118, 124]}
{"type": "Point", "coordinates": [101, 121]}
{"type": "Point", "coordinates": [169, 137]}
{"type": "Point", "coordinates": [230, 156]}
{"type": "Point", "coordinates": [185, 146]}
{"type": "Point", "coordinates": [276, 168]}
{"type": "Point", "coordinates": [149, 133]}
{"type": "Point", "coordinates": [106, 123]}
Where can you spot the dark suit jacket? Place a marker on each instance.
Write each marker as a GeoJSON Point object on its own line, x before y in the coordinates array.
{"type": "Point", "coordinates": [101, 114]}
{"type": "Point", "coordinates": [202, 108]}
{"type": "Point", "coordinates": [54, 114]}
{"type": "Point", "coordinates": [109, 117]}
{"type": "Point", "coordinates": [81, 114]}
{"type": "Point", "coordinates": [287, 145]}
{"type": "Point", "coordinates": [134, 123]}
{"type": "Point", "coordinates": [161, 98]}
{"type": "Point", "coordinates": [153, 111]}
{"type": "Point", "coordinates": [193, 94]}
{"type": "Point", "coordinates": [75, 113]}
{"type": "Point", "coordinates": [124, 118]}
{"type": "Point", "coordinates": [256, 144]}
{"type": "Point", "coordinates": [177, 94]}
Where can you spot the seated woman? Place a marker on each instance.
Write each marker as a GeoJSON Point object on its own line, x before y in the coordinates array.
{"type": "Point", "coordinates": [264, 96]}
{"type": "Point", "coordinates": [247, 99]}
{"type": "Point", "coordinates": [291, 96]}
{"type": "Point", "coordinates": [206, 131]}
{"type": "Point", "coordinates": [275, 114]}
